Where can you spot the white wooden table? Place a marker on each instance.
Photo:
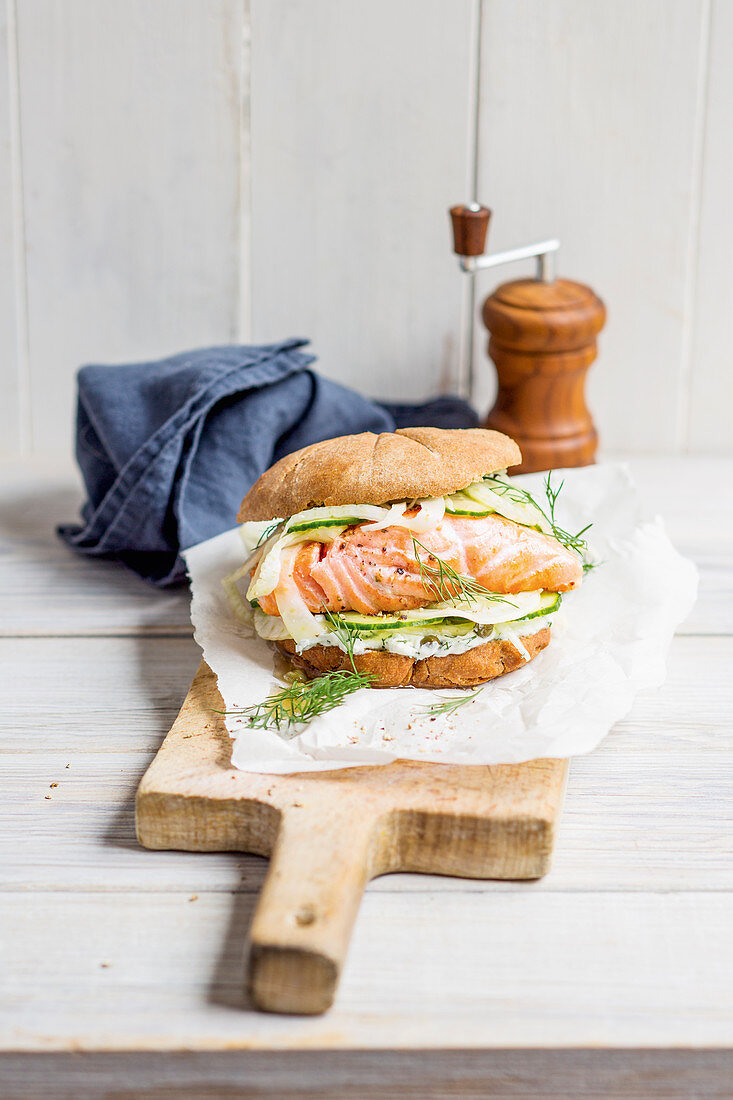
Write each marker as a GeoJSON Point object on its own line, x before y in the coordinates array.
{"type": "Point", "coordinates": [123, 969]}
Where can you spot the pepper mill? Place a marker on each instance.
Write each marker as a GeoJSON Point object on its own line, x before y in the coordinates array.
{"type": "Point", "coordinates": [542, 339]}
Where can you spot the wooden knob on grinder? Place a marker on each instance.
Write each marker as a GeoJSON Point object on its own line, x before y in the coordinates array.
{"type": "Point", "coordinates": [542, 341]}
{"type": "Point", "coordinates": [470, 225]}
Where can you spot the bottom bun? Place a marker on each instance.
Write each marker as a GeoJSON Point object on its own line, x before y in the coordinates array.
{"type": "Point", "coordinates": [459, 670]}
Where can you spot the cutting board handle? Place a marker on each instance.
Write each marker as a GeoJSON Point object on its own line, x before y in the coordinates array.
{"type": "Point", "coordinates": [302, 924]}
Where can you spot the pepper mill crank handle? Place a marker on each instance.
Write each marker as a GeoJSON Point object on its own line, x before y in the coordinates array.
{"type": "Point", "coordinates": [470, 226]}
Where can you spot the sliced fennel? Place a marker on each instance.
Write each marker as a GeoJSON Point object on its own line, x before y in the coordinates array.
{"type": "Point", "coordinates": [424, 620]}
{"type": "Point", "coordinates": [252, 533]}
{"type": "Point", "coordinates": [305, 627]}
{"type": "Point", "coordinates": [302, 625]}
{"type": "Point", "coordinates": [511, 633]}
{"type": "Point", "coordinates": [270, 627]}
{"type": "Point", "coordinates": [429, 516]}
{"type": "Point", "coordinates": [434, 640]}
{"type": "Point", "coordinates": [267, 573]}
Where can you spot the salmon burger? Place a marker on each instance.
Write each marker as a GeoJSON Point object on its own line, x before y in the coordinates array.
{"type": "Point", "coordinates": [408, 556]}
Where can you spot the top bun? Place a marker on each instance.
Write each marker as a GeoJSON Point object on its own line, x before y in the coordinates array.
{"type": "Point", "coordinates": [378, 469]}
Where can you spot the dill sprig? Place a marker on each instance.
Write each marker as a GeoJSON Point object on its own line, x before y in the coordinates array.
{"type": "Point", "coordinates": [267, 533]}
{"type": "Point", "coordinates": [302, 701]}
{"type": "Point", "coordinates": [450, 706]}
{"type": "Point", "coordinates": [446, 585]}
{"type": "Point", "coordinates": [522, 496]}
{"type": "Point", "coordinates": [573, 542]}
{"type": "Point", "coordinates": [346, 632]}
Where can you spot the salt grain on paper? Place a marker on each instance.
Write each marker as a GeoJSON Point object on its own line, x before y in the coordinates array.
{"type": "Point", "coordinates": [610, 643]}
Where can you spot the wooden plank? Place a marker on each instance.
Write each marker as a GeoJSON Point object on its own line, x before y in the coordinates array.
{"type": "Point", "coordinates": [10, 225]}
{"type": "Point", "coordinates": [643, 812]}
{"type": "Point", "coordinates": [711, 387]}
{"type": "Point", "coordinates": [375, 1075]}
{"type": "Point", "coordinates": [692, 494]}
{"type": "Point", "coordinates": [360, 142]}
{"type": "Point", "coordinates": [133, 237]}
{"type": "Point", "coordinates": [163, 972]}
{"type": "Point", "coordinates": [45, 588]}
{"type": "Point", "coordinates": [127, 698]}
{"type": "Point", "coordinates": [713, 612]}
{"type": "Point", "coordinates": [589, 131]}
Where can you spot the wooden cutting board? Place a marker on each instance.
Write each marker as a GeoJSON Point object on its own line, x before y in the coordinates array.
{"type": "Point", "coordinates": [329, 833]}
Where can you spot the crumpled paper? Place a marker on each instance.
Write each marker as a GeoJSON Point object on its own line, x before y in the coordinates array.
{"type": "Point", "coordinates": [609, 642]}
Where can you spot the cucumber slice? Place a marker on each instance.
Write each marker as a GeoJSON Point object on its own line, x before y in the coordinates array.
{"type": "Point", "coordinates": [318, 524]}
{"type": "Point", "coordinates": [423, 620]}
{"type": "Point", "coordinates": [343, 515]}
{"type": "Point", "coordinates": [376, 624]}
{"type": "Point", "coordinates": [386, 625]}
{"type": "Point", "coordinates": [458, 504]}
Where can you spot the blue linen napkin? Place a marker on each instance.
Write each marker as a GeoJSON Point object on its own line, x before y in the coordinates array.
{"type": "Point", "coordinates": [168, 449]}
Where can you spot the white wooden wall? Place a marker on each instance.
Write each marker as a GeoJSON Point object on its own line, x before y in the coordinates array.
{"type": "Point", "coordinates": [182, 172]}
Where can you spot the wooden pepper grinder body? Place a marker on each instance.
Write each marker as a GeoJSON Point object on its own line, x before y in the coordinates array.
{"type": "Point", "coordinates": [542, 340]}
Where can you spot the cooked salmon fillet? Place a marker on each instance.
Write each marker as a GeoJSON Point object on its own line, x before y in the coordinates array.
{"type": "Point", "coordinates": [379, 571]}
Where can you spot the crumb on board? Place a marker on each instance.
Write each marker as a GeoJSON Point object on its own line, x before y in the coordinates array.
{"type": "Point", "coordinates": [53, 784]}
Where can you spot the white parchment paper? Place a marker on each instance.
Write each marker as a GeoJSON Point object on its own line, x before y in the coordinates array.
{"type": "Point", "coordinates": [609, 641]}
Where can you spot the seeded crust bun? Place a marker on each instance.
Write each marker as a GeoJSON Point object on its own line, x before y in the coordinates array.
{"type": "Point", "coordinates": [378, 469]}
{"type": "Point", "coordinates": [456, 670]}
